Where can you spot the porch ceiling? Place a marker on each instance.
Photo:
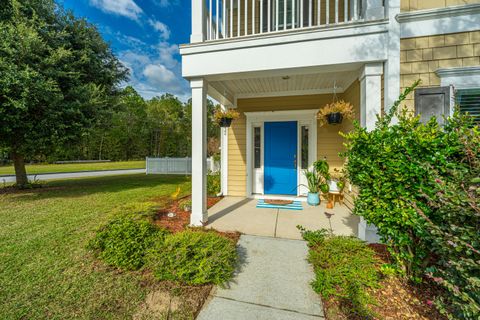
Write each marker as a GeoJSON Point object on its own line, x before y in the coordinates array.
{"type": "Point", "coordinates": [283, 84]}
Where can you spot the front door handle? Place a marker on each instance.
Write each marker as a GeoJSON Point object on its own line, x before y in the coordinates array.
{"type": "Point", "coordinates": [295, 161]}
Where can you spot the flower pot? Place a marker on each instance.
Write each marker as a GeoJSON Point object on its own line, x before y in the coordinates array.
{"type": "Point", "coordinates": [334, 118]}
{"type": "Point", "coordinates": [330, 205]}
{"type": "Point", "coordinates": [225, 122]}
{"type": "Point", "coordinates": [313, 199]}
{"type": "Point", "coordinates": [333, 186]}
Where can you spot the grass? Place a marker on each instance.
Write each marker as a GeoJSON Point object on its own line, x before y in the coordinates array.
{"type": "Point", "coordinates": [46, 270]}
{"type": "Point", "coordinates": [75, 167]}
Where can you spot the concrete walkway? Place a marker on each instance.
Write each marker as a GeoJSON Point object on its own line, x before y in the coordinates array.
{"type": "Point", "coordinates": [272, 282]}
{"type": "Point", "coordinates": [241, 214]}
{"type": "Point", "coordinates": [70, 175]}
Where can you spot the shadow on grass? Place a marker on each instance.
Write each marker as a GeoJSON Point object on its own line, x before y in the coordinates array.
{"type": "Point", "coordinates": [81, 187]}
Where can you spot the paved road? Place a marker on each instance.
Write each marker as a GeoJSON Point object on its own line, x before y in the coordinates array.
{"type": "Point", "coordinates": [69, 175]}
{"type": "Point", "coordinates": [272, 283]}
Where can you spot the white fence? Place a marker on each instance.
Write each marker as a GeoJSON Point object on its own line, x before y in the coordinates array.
{"type": "Point", "coordinates": [175, 165]}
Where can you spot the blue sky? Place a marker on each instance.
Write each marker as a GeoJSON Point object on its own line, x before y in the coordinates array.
{"type": "Point", "coordinates": [145, 35]}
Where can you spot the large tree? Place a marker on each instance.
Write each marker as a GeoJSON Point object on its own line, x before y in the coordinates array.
{"type": "Point", "coordinates": [57, 77]}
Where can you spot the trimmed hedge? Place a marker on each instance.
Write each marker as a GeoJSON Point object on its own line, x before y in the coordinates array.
{"type": "Point", "coordinates": [193, 257]}
{"type": "Point", "coordinates": [124, 241]}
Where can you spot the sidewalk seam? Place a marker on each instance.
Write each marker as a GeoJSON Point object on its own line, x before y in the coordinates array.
{"type": "Point", "coordinates": [271, 307]}
{"type": "Point", "coordinates": [276, 223]}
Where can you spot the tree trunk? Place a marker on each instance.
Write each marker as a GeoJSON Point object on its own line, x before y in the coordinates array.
{"type": "Point", "coordinates": [20, 172]}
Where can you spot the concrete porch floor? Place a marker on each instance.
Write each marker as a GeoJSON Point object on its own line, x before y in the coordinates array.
{"type": "Point", "coordinates": [241, 214]}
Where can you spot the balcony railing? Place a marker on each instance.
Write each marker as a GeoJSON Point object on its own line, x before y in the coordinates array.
{"type": "Point", "coordinates": [238, 18]}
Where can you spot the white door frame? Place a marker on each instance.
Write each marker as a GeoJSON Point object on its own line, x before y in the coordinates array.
{"type": "Point", "coordinates": [303, 117]}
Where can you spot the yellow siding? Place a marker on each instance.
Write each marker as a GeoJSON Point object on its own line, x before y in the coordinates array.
{"type": "Point", "coordinates": [329, 142]}
{"type": "Point", "coordinates": [421, 57]}
{"type": "Point", "coordinates": [412, 5]}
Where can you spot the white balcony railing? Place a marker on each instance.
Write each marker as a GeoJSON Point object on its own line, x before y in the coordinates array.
{"type": "Point", "coordinates": [237, 18]}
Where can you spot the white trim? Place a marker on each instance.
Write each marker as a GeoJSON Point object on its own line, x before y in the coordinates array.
{"type": "Point", "coordinates": [278, 197]}
{"type": "Point", "coordinates": [303, 117]}
{"type": "Point", "coordinates": [447, 20]}
{"type": "Point", "coordinates": [391, 80]}
{"type": "Point", "coordinates": [460, 78]}
{"type": "Point", "coordinates": [355, 47]}
{"type": "Point", "coordinates": [224, 158]}
{"type": "Point", "coordinates": [282, 115]}
{"type": "Point", "coordinates": [288, 93]}
{"type": "Point", "coordinates": [282, 37]}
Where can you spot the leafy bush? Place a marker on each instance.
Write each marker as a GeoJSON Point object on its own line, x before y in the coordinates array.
{"type": "Point", "coordinates": [193, 257]}
{"type": "Point", "coordinates": [124, 241]}
{"type": "Point", "coordinates": [213, 184]}
{"type": "Point", "coordinates": [419, 185]}
{"type": "Point", "coordinates": [313, 237]}
{"type": "Point", "coordinates": [345, 268]}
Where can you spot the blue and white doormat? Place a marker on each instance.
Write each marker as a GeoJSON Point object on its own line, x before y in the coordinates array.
{"type": "Point", "coordinates": [295, 205]}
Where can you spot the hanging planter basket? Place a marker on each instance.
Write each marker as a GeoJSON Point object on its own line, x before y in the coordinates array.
{"type": "Point", "coordinates": [225, 122]}
{"type": "Point", "coordinates": [335, 112]}
{"type": "Point", "coordinates": [224, 118]}
{"type": "Point", "coordinates": [334, 118]}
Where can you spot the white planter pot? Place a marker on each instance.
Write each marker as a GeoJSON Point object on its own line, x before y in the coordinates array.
{"type": "Point", "coordinates": [333, 186]}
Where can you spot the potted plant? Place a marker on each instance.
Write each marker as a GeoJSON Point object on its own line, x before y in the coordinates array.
{"type": "Point", "coordinates": [323, 169]}
{"type": "Point", "coordinates": [335, 112]}
{"type": "Point", "coordinates": [337, 181]}
{"type": "Point", "coordinates": [313, 186]}
{"type": "Point", "coordinates": [224, 118]}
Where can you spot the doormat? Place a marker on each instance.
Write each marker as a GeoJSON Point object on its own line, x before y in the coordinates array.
{"type": "Point", "coordinates": [295, 205]}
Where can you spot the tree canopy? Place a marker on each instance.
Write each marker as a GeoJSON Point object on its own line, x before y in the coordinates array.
{"type": "Point", "coordinates": [58, 77]}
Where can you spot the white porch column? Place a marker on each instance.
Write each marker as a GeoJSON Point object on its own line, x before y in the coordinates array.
{"type": "Point", "coordinates": [373, 9]}
{"type": "Point", "coordinates": [199, 152]}
{"type": "Point", "coordinates": [370, 94]}
{"type": "Point", "coordinates": [370, 106]}
{"type": "Point", "coordinates": [198, 21]}
{"type": "Point", "coordinates": [224, 158]}
{"type": "Point", "coordinates": [392, 65]}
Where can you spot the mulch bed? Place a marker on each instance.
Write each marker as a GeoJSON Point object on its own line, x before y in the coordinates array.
{"type": "Point", "coordinates": [181, 219]}
{"type": "Point", "coordinates": [396, 298]}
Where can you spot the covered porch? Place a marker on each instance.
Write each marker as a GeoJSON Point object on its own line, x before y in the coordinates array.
{"type": "Point", "coordinates": [281, 97]}
{"type": "Point", "coordinates": [241, 214]}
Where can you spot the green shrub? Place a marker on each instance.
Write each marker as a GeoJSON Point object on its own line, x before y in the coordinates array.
{"type": "Point", "coordinates": [213, 184]}
{"type": "Point", "coordinates": [193, 257]}
{"type": "Point", "coordinates": [345, 268]}
{"type": "Point", "coordinates": [124, 241]}
{"type": "Point", "coordinates": [418, 185]}
{"type": "Point", "coordinates": [313, 237]}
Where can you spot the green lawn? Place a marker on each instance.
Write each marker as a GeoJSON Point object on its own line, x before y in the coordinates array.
{"type": "Point", "coordinates": [45, 270]}
{"type": "Point", "coordinates": [74, 167]}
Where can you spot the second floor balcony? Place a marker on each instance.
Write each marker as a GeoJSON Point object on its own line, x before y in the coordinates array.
{"type": "Point", "coordinates": [228, 19]}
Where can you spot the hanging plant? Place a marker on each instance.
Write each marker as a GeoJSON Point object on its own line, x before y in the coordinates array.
{"type": "Point", "coordinates": [224, 118]}
{"type": "Point", "coordinates": [335, 112]}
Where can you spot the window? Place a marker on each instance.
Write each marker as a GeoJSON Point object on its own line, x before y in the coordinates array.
{"type": "Point", "coordinates": [468, 100]}
{"type": "Point", "coordinates": [304, 135]}
{"type": "Point", "coordinates": [257, 152]}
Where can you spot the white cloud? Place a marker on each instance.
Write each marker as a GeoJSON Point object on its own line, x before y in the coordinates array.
{"type": "Point", "coordinates": [162, 79]}
{"type": "Point", "coordinates": [167, 53]}
{"type": "Point", "coordinates": [161, 27]}
{"type": "Point", "coordinates": [125, 8]}
{"type": "Point", "coordinates": [166, 3]}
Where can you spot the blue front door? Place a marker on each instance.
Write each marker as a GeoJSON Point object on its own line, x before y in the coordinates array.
{"type": "Point", "coordinates": [280, 162]}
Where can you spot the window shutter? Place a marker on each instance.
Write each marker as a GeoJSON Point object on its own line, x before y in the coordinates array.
{"type": "Point", "coordinates": [468, 100]}
{"type": "Point", "coordinates": [432, 102]}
